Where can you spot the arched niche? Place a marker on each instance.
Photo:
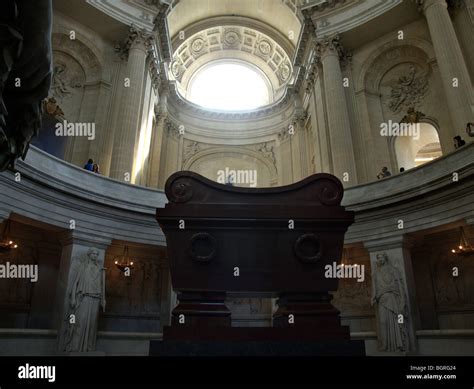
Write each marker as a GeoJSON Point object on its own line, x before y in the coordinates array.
{"type": "Point", "coordinates": [413, 151]}
{"type": "Point", "coordinates": [77, 72]}
{"type": "Point", "coordinates": [213, 162]}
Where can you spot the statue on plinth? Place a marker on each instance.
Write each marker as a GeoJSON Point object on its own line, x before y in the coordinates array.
{"type": "Point", "coordinates": [389, 297]}
{"type": "Point", "coordinates": [86, 295]}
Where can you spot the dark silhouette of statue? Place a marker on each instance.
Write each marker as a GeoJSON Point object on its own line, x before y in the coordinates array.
{"type": "Point", "coordinates": [25, 73]}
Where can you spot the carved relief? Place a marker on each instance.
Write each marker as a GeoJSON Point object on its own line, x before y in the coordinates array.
{"type": "Point", "coordinates": [408, 90]}
{"type": "Point", "coordinates": [264, 48]}
{"type": "Point", "coordinates": [64, 81]}
{"type": "Point", "coordinates": [191, 149]}
{"type": "Point", "coordinates": [67, 87]}
{"type": "Point", "coordinates": [69, 49]}
{"type": "Point", "coordinates": [267, 152]}
{"type": "Point", "coordinates": [284, 72]}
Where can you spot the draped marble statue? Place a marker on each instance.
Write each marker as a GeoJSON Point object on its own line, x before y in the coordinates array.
{"type": "Point", "coordinates": [389, 297]}
{"type": "Point", "coordinates": [25, 73]}
{"type": "Point", "coordinates": [86, 295]}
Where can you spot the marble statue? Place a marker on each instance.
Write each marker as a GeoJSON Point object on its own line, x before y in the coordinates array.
{"type": "Point", "coordinates": [25, 74]}
{"type": "Point", "coordinates": [389, 297]}
{"type": "Point", "coordinates": [87, 293]}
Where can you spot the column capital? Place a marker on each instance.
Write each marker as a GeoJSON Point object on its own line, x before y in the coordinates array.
{"type": "Point", "coordinates": [423, 5]}
{"type": "Point", "coordinates": [331, 45]}
{"type": "Point", "coordinates": [136, 38]}
{"type": "Point", "coordinates": [84, 239]}
{"type": "Point", "coordinates": [387, 243]}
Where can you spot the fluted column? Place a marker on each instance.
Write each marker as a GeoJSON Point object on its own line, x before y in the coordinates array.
{"type": "Point", "coordinates": [126, 137]}
{"type": "Point", "coordinates": [329, 50]}
{"type": "Point", "coordinates": [157, 145]}
{"type": "Point", "coordinates": [451, 63]}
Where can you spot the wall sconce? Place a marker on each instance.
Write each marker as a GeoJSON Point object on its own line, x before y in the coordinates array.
{"type": "Point", "coordinates": [7, 244]}
{"type": "Point", "coordinates": [123, 261]}
{"type": "Point", "coordinates": [464, 248]}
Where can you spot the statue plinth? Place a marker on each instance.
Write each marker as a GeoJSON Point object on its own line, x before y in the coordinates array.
{"type": "Point", "coordinates": [259, 242]}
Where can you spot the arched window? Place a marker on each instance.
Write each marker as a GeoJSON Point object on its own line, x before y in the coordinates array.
{"type": "Point", "coordinates": [229, 86]}
{"type": "Point", "coordinates": [413, 151]}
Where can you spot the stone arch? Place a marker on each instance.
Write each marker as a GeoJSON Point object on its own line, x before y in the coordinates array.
{"type": "Point", "coordinates": [368, 74]}
{"type": "Point", "coordinates": [235, 152]}
{"type": "Point", "coordinates": [84, 53]}
{"type": "Point", "coordinates": [392, 140]}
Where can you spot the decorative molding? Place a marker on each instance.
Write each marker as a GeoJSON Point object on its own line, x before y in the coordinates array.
{"type": "Point", "coordinates": [195, 109]}
{"type": "Point", "coordinates": [321, 5]}
{"type": "Point", "coordinates": [162, 32]}
{"type": "Point", "coordinates": [252, 44]}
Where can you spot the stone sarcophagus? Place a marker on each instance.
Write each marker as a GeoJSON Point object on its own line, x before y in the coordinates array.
{"type": "Point", "coordinates": [260, 242]}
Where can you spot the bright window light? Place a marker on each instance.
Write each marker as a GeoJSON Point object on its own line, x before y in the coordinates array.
{"type": "Point", "coordinates": [228, 86]}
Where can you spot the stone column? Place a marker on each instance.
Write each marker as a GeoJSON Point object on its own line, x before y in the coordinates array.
{"type": "Point", "coordinates": [330, 51]}
{"type": "Point", "coordinates": [299, 152]}
{"type": "Point", "coordinates": [157, 141]}
{"type": "Point", "coordinates": [451, 64]}
{"type": "Point", "coordinates": [131, 105]}
{"type": "Point", "coordinates": [393, 287]}
{"type": "Point", "coordinates": [76, 245]}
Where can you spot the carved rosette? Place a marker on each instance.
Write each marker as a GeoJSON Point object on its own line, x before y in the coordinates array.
{"type": "Point", "coordinates": [330, 191]}
{"type": "Point", "coordinates": [264, 48]}
{"type": "Point", "coordinates": [231, 38]}
{"type": "Point", "coordinates": [179, 190]}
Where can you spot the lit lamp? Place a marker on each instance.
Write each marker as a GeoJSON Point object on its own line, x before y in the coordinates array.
{"type": "Point", "coordinates": [124, 261]}
{"type": "Point", "coordinates": [7, 244]}
{"type": "Point", "coordinates": [464, 248]}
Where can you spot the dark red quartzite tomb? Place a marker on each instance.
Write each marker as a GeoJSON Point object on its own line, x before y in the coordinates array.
{"type": "Point", "coordinates": [254, 242]}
